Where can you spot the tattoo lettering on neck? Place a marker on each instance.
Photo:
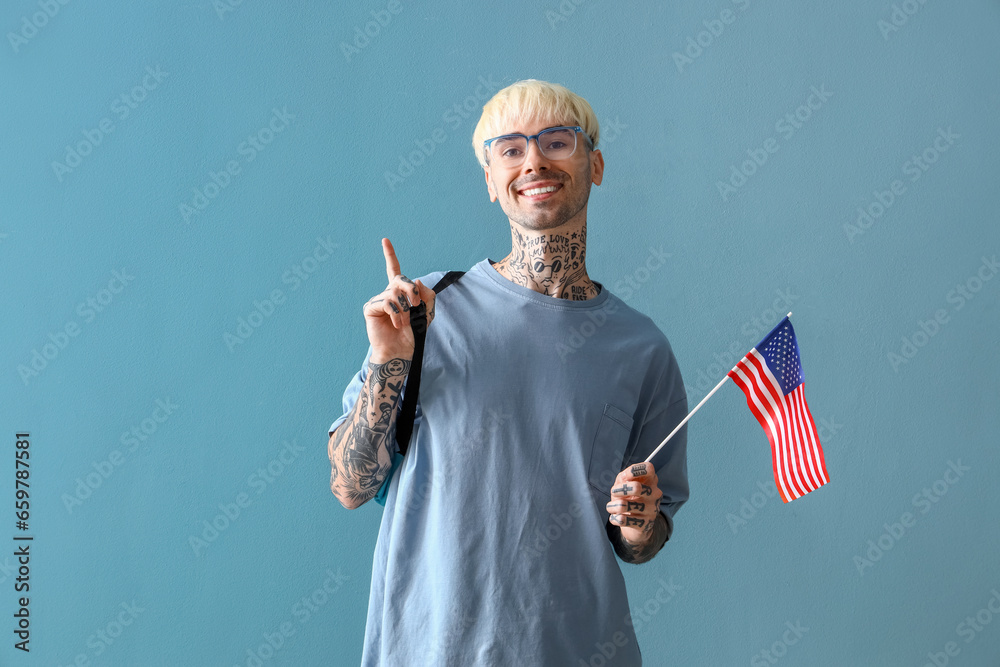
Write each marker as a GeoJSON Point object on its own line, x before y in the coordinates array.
{"type": "Point", "coordinates": [553, 264]}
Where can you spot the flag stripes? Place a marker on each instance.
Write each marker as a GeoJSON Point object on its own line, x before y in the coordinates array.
{"type": "Point", "coordinates": [796, 454]}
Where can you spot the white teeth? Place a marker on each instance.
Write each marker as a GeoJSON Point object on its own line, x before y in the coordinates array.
{"type": "Point", "coordinates": [537, 191]}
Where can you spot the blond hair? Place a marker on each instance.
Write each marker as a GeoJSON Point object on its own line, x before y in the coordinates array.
{"type": "Point", "coordinates": [528, 99]}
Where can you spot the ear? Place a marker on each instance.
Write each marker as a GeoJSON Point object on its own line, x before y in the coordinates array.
{"type": "Point", "coordinates": [489, 184]}
{"type": "Point", "coordinates": [597, 166]}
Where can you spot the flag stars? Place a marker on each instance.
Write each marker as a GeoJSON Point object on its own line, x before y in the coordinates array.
{"type": "Point", "coordinates": [781, 354]}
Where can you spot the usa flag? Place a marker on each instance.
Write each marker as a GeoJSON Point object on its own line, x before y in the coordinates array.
{"type": "Point", "coordinates": [771, 377]}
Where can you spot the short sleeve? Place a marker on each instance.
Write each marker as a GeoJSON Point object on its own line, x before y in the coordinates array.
{"type": "Point", "coordinates": [667, 408]}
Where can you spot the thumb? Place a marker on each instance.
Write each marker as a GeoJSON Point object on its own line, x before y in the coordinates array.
{"type": "Point", "coordinates": [426, 293]}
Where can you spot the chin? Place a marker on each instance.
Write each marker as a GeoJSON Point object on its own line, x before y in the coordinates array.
{"type": "Point", "coordinates": [544, 222]}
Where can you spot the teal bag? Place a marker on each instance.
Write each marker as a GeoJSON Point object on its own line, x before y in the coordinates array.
{"type": "Point", "coordinates": [397, 460]}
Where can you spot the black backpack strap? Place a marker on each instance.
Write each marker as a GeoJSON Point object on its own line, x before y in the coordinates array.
{"type": "Point", "coordinates": [418, 322]}
{"type": "Point", "coordinates": [447, 279]}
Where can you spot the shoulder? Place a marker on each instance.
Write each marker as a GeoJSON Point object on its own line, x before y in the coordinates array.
{"type": "Point", "coordinates": [431, 279]}
{"type": "Point", "coordinates": [645, 330]}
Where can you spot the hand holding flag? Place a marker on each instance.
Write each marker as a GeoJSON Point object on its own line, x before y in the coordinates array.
{"type": "Point", "coordinates": [635, 502]}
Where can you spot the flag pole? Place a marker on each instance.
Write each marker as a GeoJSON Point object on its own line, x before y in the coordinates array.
{"type": "Point", "coordinates": [689, 415]}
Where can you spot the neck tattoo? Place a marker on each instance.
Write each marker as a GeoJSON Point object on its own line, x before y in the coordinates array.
{"type": "Point", "coordinates": [549, 263]}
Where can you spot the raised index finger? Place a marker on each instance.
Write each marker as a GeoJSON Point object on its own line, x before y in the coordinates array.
{"type": "Point", "coordinates": [391, 263]}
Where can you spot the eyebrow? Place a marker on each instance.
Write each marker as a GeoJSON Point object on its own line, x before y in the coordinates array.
{"type": "Point", "coordinates": [505, 134]}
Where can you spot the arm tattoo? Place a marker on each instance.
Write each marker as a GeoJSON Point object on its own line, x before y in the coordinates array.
{"type": "Point", "coordinates": [361, 451]}
{"type": "Point", "coordinates": [381, 373]}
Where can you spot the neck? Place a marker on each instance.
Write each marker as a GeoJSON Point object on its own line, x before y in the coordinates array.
{"type": "Point", "coordinates": [551, 262]}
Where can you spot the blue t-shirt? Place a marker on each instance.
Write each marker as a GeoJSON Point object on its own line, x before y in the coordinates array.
{"type": "Point", "coordinates": [492, 548]}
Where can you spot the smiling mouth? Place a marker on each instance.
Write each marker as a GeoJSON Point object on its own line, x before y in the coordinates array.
{"type": "Point", "coordinates": [539, 193]}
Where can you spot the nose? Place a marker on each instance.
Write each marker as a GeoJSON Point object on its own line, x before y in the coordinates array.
{"type": "Point", "coordinates": [534, 160]}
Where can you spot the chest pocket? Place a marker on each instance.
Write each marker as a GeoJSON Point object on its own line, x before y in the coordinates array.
{"type": "Point", "coordinates": [610, 444]}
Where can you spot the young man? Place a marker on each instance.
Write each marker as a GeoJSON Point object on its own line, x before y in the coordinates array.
{"type": "Point", "coordinates": [541, 395]}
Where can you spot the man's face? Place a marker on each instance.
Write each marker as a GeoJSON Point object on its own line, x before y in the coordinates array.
{"type": "Point", "coordinates": [571, 177]}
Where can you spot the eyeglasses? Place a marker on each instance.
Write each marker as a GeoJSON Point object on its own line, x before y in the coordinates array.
{"type": "Point", "coordinates": [555, 143]}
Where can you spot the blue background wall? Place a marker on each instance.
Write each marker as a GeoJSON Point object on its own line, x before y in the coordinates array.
{"type": "Point", "coordinates": [742, 564]}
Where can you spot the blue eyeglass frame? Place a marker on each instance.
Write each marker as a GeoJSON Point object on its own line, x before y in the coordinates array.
{"type": "Point", "coordinates": [527, 143]}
